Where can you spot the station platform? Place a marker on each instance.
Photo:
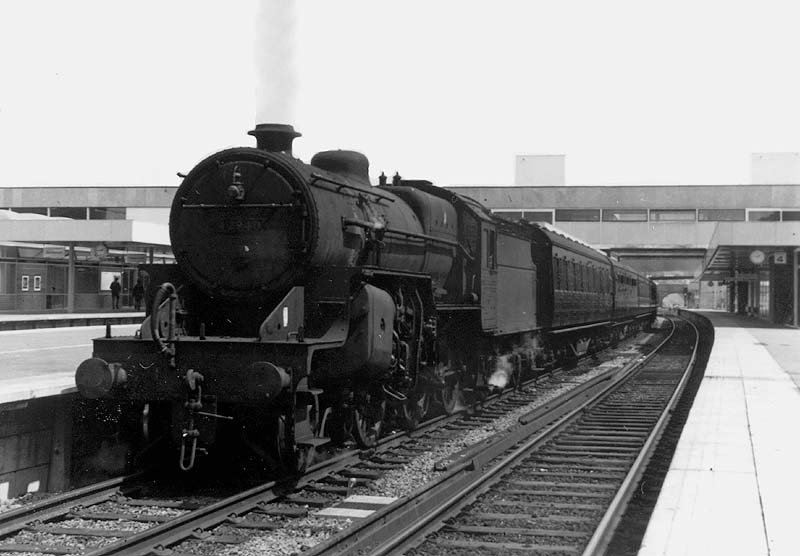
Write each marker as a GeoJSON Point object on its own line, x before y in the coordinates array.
{"type": "Point", "coordinates": [53, 320]}
{"type": "Point", "coordinates": [733, 486]}
{"type": "Point", "coordinates": [41, 362]}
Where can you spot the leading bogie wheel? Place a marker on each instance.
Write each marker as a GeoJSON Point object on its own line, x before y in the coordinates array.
{"type": "Point", "coordinates": [453, 398]}
{"type": "Point", "coordinates": [369, 411]}
{"type": "Point", "coordinates": [415, 408]}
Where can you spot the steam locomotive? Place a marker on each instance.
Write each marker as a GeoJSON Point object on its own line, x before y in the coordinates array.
{"type": "Point", "coordinates": [309, 307]}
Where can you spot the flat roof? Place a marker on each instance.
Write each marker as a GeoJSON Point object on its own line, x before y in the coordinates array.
{"type": "Point", "coordinates": [520, 197]}
{"type": "Point", "coordinates": [88, 196]}
{"type": "Point", "coordinates": [112, 233]}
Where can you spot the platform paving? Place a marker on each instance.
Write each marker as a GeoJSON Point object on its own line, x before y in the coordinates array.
{"type": "Point", "coordinates": [42, 362]}
{"type": "Point", "coordinates": [15, 321]}
{"type": "Point", "coordinates": [732, 486]}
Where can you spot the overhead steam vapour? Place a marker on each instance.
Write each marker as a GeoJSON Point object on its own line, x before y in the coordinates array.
{"type": "Point", "coordinates": [504, 366]}
{"type": "Point", "coordinates": [502, 373]}
{"type": "Point", "coordinates": [274, 61]}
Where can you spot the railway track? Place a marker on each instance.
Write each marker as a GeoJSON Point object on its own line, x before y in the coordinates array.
{"type": "Point", "coordinates": [324, 503]}
{"type": "Point", "coordinates": [560, 491]}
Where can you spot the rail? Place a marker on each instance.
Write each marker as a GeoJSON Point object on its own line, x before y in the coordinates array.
{"type": "Point", "coordinates": [394, 529]}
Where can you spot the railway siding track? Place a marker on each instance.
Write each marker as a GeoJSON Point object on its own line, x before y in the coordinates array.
{"type": "Point", "coordinates": [322, 504]}
{"type": "Point", "coordinates": [560, 491]}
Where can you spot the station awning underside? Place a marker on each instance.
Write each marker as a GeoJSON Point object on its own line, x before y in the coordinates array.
{"type": "Point", "coordinates": [739, 250]}
{"type": "Point", "coordinates": [113, 234]}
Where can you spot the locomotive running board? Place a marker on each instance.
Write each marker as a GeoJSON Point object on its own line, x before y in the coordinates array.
{"type": "Point", "coordinates": [575, 328]}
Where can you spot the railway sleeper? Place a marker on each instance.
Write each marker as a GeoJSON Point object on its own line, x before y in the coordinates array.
{"type": "Point", "coordinates": [561, 472]}
{"type": "Point", "coordinates": [349, 480]}
{"type": "Point", "coordinates": [244, 523]}
{"type": "Point", "coordinates": [38, 549]}
{"type": "Point", "coordinates": [328, 489]}
{"type": "Point", "coordinates": [562, 484]}
{"type": "Point", "coordinates": [610, 444]}
{"type": "Point", "coordinates": [288, 512]}
{"type": "Point", "coordinates": [558, 493]}
{"type": "Point", "coordinates": [113, 516]}
{"type": "Point", "coordinates": [487, 530]}
{"type": "Point", "coordinates": [207, 536]}
{"type": "Point", "coordinates": [589, 437]}
{"type": "Point", "coordinates": [171, 552]}
{"type": "Point", "coordinates": [360, 473]}
{"type": "Point", "coordinates": [584, 464]}
{"type": "Point", "coordinates": [542, 504]}
{"type": "Point", "coordinates": [87, 531]}
{"type": "Point", "coordinates": [174, 504]}
{"type": "Point", "coordinates": [308, 501]}
{"type": "Point", "coordinates": [495, 516]}
{"type": "Point", "coordinates": [502, 547]}
{"type": "Point", "coordinates": [614, 451]}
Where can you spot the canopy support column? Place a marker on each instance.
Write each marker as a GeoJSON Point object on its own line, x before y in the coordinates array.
{"type": "Point", "coordinates": [71, 280]}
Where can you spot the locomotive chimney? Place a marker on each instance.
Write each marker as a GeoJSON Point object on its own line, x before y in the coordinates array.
{"type": "Point", "coordinates": [274, 137]}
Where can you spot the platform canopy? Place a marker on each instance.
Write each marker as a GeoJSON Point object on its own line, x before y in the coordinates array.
{"type": "Point", "coordinates": [739, 250]}
{"type": "Point", "coordinates": [113, 234]}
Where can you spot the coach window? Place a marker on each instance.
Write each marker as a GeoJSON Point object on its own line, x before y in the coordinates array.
{"type": "Point", "coordinates": [584, 277]}
{"type": "Point", "coordinates": [491, 248]}
{"type": "Point", "coordinates": [486, 248]}
{"type": "Point", "coordinates": [556, 274]}
{"type": "Point", "coordinates": [572, 275]}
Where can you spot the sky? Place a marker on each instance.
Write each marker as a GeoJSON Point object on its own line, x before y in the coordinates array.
{"type": "Point", "coordinates": [632, 92]}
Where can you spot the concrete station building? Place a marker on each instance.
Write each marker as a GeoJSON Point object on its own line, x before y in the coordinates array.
{"type": "Point", "coordinates": [728, 247]}
{"type": "Point", "coordinates": [60, 247]}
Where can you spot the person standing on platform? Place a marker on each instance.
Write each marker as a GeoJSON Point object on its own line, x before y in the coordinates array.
{"type": "Point", "coordinates": [116, 287]}
{"type": "Point", "coordinates": [138, 294]}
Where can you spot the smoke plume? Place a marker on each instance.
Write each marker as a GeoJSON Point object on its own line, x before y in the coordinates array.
{"type": "Point", "coordinates": [274, 59]}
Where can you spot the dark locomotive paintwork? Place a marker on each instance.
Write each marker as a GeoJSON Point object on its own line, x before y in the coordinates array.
{"type": "Point", "coordinates": [307, 303]}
